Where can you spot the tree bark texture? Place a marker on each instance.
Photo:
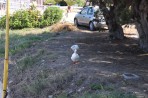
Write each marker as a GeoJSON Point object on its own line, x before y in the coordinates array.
{"type": "Point", "coordinates": [140, 8]}
{"type": "Point", "coordinates": [115, 29]}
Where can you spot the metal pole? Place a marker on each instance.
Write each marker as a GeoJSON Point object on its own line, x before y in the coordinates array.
{"type": "Point", "coordinates": [6, 61]}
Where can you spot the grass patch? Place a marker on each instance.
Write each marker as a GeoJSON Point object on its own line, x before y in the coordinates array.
{"type": "Point", "coordinates": [49, 80]}
{"type": "Point", "coordinates": [21, 39]}
{"type": "Point", "coordinates": [100, 95]}
{"type": "Point", "coordinates": [29, 61]}
{"type": "Point", "coordinates": [97, 87]}
{"type": "Point", "coordinates": [26, 62]}
{"type": "Point", "coordinates": [80, 81]}
{"type": "Point", "coordinates": [110, 95]}
{"type": "Point", "coordinates": [36, 87]}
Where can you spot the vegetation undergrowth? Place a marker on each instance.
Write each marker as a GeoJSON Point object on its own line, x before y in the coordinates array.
{"type": "Point", "coordinates": [32, 18]}
{"type": "Point", "coordinates": [22, 39]}
{"type": "Point", "coordinates": [115, 94]}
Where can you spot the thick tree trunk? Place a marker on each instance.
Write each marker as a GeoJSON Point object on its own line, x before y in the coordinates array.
{"type": "Point", "coordinates": [141, 15]}
{"type": "Point", "coordinates": [115, 29]}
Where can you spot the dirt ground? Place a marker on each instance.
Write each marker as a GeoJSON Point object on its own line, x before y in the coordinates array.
{"type": "Point", "coordinates": [101, 62]}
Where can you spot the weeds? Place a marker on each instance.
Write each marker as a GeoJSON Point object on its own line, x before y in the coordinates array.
{"type": "Point", "coordinates": [97, 87]}
{"type": "Point", "coordinates": [100, 95]}
{"type": "Point", "coordinates": [36, 86]}
{"type": "Point", "coordinates": [22, 39]}
{"type": "Point", "coordinates": [80, 81]}
{"type": "Point", "coordinates": [48, 79]}
{"type": "Point", "coordinates": [110, 95]}
{"type": "Point", "coordinates": [29, 61]}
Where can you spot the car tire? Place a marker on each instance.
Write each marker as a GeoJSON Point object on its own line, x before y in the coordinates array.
{"type": "Point", "coordinates": [91, 26]}
{"type": "Point", "coordinates": [76, 23]}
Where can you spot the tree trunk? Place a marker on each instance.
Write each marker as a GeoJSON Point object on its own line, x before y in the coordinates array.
{"type": "Point", "coordinates": [141, 15]}
{"type": "Point", "coordinates": [115, 29]}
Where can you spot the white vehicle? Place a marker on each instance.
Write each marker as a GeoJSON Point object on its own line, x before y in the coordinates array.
{"type": "Point", "coordinates": [87, 17]}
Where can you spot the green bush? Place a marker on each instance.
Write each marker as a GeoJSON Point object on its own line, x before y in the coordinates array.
{"type": "Point", "coordinates": [22, 19]}
{"type": "Point", "coordinates": [80, 2]}
{"type": "Point", "coordinates": [52, 15]}
{"type": "Point", "coordinates": [49, 1]}
{"type": "Point", "coordinates": [19, 20]}
{"type": "Point", "coordinates": [3, 22]}
{"type": "Point", "coordinates": [32, 18]}
{"type": "Point", "coordinates": [25, 19]}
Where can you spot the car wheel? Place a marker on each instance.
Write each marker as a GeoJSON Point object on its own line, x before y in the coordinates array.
{"type": "Point", "coordinates": [91, 26]}
{"type": "Point", "coordinates": [76, 23]}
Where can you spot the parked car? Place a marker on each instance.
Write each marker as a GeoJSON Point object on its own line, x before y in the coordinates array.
{"type": "Point", "coordinates": [90, 16]}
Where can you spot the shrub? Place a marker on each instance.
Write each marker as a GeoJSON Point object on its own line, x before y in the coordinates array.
{"type": "Point", "coordinates": [52, 15]}
{"type": "Point", "coordinates": [19, 20]}
{"type": "Point", "coordinates": [22, 19]}
{"type": "Point", "coordinates": [80, 2]}
{"type": "Point", "coordinates": [49, 1]}
{"type": "Point", "coordinates": [70, 2]}
{"type": "Point", "coordinates": [3, 22]}
{"type": "Point", "coordinates": [32, 18]}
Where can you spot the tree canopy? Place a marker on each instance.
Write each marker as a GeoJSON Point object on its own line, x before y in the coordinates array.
{"type": "Point", "coordinates": [69, 2]}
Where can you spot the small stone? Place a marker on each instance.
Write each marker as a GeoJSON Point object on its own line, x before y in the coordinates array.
{"type": "Point", "coordinates": [80, 89]}
{"type": "Point", "coordinates": [130, 76]}
{"type": "Point", "coordinates": [10, 82]}
{"type": "Point", "coordinates": [50, 96]}
{"type": "Point", "coordinates": [69, 92]}
{"type": "Point", "coordinates": [43, 60]}
{"type": "Point", "coordinates": [72, 84]}
{"type": "Point", "coordinates": [83, 61]}
{"type": "Point", "coordinates": [42, 64]}
{"type": "Point", "coordinates": [99, 52]}
{"type": "Point", "coordinates": [145, 91]}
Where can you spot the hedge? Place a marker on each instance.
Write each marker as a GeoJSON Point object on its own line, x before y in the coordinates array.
{"type": "Point", "coordinates": [32, 18]}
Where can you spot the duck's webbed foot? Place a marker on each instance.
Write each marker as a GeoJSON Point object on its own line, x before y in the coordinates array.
{"type": "Point", "coordinates": [76, 62]}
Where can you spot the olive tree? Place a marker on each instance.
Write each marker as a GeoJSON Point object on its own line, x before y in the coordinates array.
{"type": "Point", "coordinates": [140, 9]}
{"type": "Point", "coordinates": [136, 10]}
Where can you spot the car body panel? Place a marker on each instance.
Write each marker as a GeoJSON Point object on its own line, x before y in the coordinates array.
{"type": "Point", "coordinates": [86, 15]}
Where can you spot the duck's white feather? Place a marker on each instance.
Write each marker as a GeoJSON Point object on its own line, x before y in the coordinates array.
{"type": "Point", "coordinates": [74, 47]}
{"type": "Point", "coordinates": [75, 57]}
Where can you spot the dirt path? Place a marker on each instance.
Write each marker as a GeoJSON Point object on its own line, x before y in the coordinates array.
{"type": "Point", "coordinates": [104, 60]}
{"type": "Point", "coordinates": [101, 61]}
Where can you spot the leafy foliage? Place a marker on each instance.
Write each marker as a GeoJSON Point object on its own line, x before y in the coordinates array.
{"type": "Point", "coordinates": [32, 18]}
{"type": "Point", "coordinates": [22, 19]}
{"type": "Point", "coordinates": [52, 15]}
{"type": "Point", "coordinates": [69, 2]}
{"type": "Point", "coordinates": [122, 10]}
{"type": "Point", "coordinates": [49, 1]}
{"type": "Point", "coordinates": [3, 22]}
{"type": "Point", "coordinates": [80, 2]}
{"type": "Point", "coordinates": [125, 16]}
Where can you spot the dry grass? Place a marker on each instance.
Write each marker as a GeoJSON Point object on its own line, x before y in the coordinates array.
{"type": "Point", "coordinates": [63, 27]}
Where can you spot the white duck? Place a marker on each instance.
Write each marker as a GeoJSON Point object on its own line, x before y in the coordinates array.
{"type": "Point", "coordinates": [74, 47]}
{"type": "Point", "coordinates": [75, 57]}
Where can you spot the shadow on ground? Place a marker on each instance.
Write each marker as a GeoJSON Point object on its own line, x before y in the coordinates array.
{"type": "Point", "coordinates": [45, 67]}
